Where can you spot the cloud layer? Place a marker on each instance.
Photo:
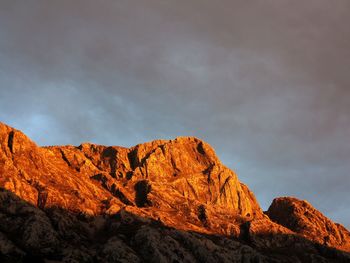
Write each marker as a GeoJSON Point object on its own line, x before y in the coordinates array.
{"type": "Point", "coordinates": [265, 82]}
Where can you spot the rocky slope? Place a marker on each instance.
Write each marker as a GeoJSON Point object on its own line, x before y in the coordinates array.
{"type": "Point", "coordinates": [302, 218]}
{"type": "Point", "coordinates": [163, 201]}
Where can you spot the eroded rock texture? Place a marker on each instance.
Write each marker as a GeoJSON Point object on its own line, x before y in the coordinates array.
{"type": "Point", "coordinates": [163, 201]}
{"type": "Point", "coordinates": [302, 218]}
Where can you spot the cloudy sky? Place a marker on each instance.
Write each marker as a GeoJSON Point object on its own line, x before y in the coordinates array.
{"type": "Point", "coordinates": [266, 83]}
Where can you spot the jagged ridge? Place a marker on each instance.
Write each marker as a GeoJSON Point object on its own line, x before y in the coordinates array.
{"type": "Point", "coordinates": [178, 183]}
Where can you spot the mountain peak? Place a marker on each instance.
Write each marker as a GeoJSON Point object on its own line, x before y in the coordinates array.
{"type": "Point", "coordinates": [178, 188]}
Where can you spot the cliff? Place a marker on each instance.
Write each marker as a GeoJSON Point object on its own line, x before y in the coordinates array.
{"type": "Point", "coordinates": [162, 201]}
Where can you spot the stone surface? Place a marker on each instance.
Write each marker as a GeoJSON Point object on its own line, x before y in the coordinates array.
{"type": "Point", "coordinates": [162, 201]}
{"type": "Point", "coordinates": [302, 218]}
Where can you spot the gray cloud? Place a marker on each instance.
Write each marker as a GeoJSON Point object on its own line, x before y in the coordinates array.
{"type": "Point", "coordinates": [265, 82]}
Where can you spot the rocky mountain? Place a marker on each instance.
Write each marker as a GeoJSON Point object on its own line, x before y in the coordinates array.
{"type": "Point", "coordinates": [162, 201]}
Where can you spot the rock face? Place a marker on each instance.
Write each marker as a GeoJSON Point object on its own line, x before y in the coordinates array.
{"type": "Point", "coordinates": [302, 218]}
{"type": "Point", "coordinates": [163, 201]}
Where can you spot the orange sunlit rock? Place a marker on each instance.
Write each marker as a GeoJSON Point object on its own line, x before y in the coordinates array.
{"type": "Point", "coordinates": [146, 201]}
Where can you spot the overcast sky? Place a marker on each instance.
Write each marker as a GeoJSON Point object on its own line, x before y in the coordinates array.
{"type": "Point", "coordinates": [266, 83]}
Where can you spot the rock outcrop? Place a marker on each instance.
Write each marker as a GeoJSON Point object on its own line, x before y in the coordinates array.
{"type": "Point", "coordinates": [302, 218]}
{"type": "Point", "coordinates": [162, 201]}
